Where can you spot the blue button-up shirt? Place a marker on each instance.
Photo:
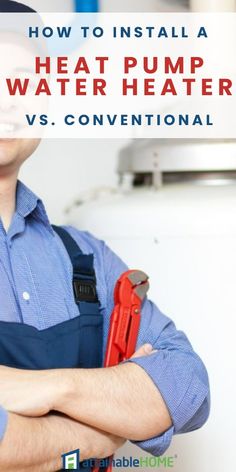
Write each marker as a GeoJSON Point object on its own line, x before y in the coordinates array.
{"type": "Point", "coordinates": [36, 289]}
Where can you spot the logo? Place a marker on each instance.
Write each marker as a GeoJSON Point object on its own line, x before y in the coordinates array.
{"type": "Point", "coordinates": [70, 460]}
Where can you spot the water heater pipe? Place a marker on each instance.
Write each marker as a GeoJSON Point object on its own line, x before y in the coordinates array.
{"type": "Point", "coordinates": [85, 6]}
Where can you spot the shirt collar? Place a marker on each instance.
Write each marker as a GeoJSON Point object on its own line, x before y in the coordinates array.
{"type": "Point", "coordinates": [27, 203]}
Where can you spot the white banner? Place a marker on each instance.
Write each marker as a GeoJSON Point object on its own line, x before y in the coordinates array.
{"type": "Point", "coordinates": [118, 75]}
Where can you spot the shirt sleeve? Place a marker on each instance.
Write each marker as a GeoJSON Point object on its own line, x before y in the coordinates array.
{"type": "Point", "coordinates": [177, 371]}
{"type": "Point", "coordinates": [3, 422]}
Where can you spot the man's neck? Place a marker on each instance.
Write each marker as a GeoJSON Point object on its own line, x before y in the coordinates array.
{"type": "Point", "coordinates": [7, 199]}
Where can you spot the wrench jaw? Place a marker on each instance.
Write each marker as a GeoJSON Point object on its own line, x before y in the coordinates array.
{"type": "Point", "coordinates": [137, 277]}
{"type": "Point", "coordinates": [142, 289]}
{"type": "Point", "coordinates": [131, 288]}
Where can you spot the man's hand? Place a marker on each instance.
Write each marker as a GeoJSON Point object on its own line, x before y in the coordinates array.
{"type": "Point", "coordinates": [36, 393]}
{"type": "Point", "coordinates": [28, 392]}
{"type": "Point", "coordinates": [38, 443]}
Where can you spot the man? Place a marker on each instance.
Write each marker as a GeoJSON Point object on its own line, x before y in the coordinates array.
{"type": "Point", "coordinates": [54, 394]}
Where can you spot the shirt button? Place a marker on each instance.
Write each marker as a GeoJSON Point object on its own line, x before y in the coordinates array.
{"type": "Point", "coordinates": [26, 296]}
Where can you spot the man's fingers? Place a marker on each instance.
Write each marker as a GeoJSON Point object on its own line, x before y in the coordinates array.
{"type": "Point", "coordinates": [144, 350]}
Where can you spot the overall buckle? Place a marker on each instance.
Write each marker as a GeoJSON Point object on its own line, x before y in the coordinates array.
{"type": "Point", "coordinates": [85, 290]}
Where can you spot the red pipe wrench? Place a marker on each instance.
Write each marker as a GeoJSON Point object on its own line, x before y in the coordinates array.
{"type": "Point", "coordinates": [130, 291]}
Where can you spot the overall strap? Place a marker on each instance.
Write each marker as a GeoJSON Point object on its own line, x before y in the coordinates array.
{"type": "Point", "coordinates": [84, 284]}
{"type": "Point", "coordinates": [84, 278]}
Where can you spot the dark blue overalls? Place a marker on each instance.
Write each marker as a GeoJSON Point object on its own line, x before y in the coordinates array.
{"type": "Point", "coordinates": [73, 343]}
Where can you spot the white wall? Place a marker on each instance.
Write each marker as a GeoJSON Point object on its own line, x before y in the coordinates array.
{"type": "Point", "coordinates": [61, 169]}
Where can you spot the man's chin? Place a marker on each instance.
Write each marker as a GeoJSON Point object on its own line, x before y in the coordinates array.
{"type": "Point", "coordinates": [7, 154]}
{"type": "Point", "coordinates": [4, 141]}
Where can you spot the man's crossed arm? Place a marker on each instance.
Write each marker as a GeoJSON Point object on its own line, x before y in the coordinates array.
{"type": "Point", "coordinates": [121, 400]}
{"type": "Point", "coordinates": [105, 399]}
